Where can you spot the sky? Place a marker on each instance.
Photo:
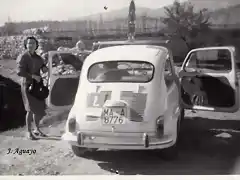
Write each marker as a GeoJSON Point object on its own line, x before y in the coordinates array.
{"type": "Point", "coordinates": [32, 10]}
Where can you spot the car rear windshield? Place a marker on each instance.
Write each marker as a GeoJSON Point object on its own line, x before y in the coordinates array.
{"type": "Point", "coordinates": [121, 71]}
{"type": "Point", "coordinates": [212, 60]}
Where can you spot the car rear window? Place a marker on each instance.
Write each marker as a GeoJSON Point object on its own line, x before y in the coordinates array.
{"type": "Point", "coordinates": [121, 71]}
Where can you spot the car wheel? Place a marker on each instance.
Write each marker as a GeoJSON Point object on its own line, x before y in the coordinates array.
{"type": "Point", "coordinates": [81, 151]}
{"type": "Point", "coordinates": [181, 120]}
{"type": "Point", "coordinates": [172, 152]}
{"type": "Point", "coordinates": [182, 116]}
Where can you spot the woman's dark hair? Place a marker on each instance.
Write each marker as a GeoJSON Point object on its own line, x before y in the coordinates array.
{"type": "Point", "coordinates": [33, 38]}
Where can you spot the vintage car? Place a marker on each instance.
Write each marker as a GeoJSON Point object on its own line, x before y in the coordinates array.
{"type": "Point", "coordinates": [103, 44]}
{"type": "Point", "coordinates": [136, 101]}
{"type": "Point", "coordinates": [125, 100]}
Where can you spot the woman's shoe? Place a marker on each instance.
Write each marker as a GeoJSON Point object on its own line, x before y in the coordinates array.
{"type": "Point", "coordinates": [30, 136]}
{"type": "Point", "coordinates": [39, 133]}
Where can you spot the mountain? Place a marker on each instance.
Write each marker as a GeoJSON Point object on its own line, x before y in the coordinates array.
{"type": "Point", "coordinates": [228, 15]}
{"type": "Point", "coordinates": [116, 14]}
{"type": "Point", "coordinates": [211, 5]}
{"type": "Point", "coordinates": [222, 12]}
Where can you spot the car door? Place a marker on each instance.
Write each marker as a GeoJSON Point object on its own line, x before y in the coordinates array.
{"type": "Point", "coordinates": [64, 72]}
{"type": "Point", "coordinates": [172, 85]}
{"type": "Point", "coordinates": [209, 80]}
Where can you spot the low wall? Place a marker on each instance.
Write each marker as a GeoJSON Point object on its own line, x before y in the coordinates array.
{"type": "Point", "coordinates": [12, 46]}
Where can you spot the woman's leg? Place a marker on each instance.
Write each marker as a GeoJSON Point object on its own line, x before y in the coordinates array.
{"type": "Point", "coordinates": [29, 118]}
{"type": "Point", "coordinates": [37, 118]}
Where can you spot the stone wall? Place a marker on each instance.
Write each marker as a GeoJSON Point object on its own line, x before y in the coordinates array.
{"type": "Point", "coordinates": [12, 46]}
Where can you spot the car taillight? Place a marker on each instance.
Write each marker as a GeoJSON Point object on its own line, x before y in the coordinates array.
{"type": "Point", "coordinates": [160, 126]}
{"type": "Point", "coordinates": [71, 125]}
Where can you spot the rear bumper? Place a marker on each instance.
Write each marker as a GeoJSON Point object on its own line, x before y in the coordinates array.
{"type": "Point", "coordinates": [116, 141]}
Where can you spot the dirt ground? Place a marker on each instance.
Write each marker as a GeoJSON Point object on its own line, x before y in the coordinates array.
{"type": "Point", "coordinates": [209, 144]}
{"type": "Point", "coordinates": [201, 152]}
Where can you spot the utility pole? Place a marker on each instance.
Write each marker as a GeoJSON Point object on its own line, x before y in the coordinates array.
{"type": "Point", "coordinates": [227, 19]}
{"type": "Point", "coordinates": [144, 20]}
{"type": "Point", "coordinates": [101, 23]}
{"type": "Point", "coordinates": [156, 25]}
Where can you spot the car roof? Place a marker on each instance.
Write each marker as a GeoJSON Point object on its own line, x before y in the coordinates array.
{"type": "Point", "coordinates": [131, 42]}
{"type": "Point", "coordinates": [213, 47]}
{"type": "Point", "coordinates": [147, 53]}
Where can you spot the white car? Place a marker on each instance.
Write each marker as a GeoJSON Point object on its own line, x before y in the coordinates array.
{"type": "Point", "coordinates": [129, 97]}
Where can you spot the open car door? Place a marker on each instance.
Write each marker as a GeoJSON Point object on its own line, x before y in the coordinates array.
{"type": "Point", "coordinates": [64, 72]}
{"type": "Point", "coordinates": [209, 82]}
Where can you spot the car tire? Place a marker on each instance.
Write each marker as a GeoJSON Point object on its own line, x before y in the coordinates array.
{"type": "Point", "coordinates": [181, 118]}
{"type": "Point", "coordinates": [81, 151]}
{"type": "Point", "coordinates": [172, 152]}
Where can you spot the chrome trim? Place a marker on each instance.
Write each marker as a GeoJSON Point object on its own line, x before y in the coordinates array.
{"type": "Point", "coordinates": [116, 145]}
{"type": "Point", "coordinates": [146, 140]}
{"type": "Point", "coordinates": [132, 144]}
{"type": "Point", "coordinates": [80, 138]}
{"type": "Point", "coordinates": [116, 134]}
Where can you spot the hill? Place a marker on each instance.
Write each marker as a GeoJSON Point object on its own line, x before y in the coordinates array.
{"type": "Point", "coordinates": [212, 5]}
{"type": "Point", "coordinates": [228, 15]}
{"type": "Point", "coordinates": [222, 12]}
{"type": "Point", "coordinates": [116, 14]}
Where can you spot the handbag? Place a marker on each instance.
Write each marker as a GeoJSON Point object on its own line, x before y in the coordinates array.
{"type": "Point", "coordinates": [38, 90]}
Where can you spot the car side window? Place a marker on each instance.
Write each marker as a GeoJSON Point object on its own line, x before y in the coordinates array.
{"type": "Point", "coordinates": [168, 73]}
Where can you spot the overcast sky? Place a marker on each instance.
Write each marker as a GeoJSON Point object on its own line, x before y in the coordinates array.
{"type": "Point", "coordinates": [31, 10]}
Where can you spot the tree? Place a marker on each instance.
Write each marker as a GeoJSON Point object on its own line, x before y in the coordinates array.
{"type": "Point", "coordinates": [184, 22]}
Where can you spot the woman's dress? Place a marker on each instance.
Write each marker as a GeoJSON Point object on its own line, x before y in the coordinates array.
{"type": "Point", "coordinates": [28, 65]}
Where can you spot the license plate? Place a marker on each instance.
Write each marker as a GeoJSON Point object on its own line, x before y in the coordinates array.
{"type": "Point", "coordinates": [114, 116]}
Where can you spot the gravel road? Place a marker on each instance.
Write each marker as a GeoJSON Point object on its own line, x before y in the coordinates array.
{"type": "Point", "coordinates": [202, 151]}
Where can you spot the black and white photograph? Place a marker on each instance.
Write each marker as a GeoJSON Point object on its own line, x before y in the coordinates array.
{"type": "Point", "coordinates": [120, 87]}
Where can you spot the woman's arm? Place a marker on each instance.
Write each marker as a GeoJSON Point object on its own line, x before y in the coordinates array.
{"type": "Point", "coordinates": [22, 67]}
{"type": "Point", "coordinates": [44, 67]}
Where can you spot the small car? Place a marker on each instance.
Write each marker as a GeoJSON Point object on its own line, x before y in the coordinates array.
{"type": "Point", "coordinates": [124, 100]}
{"type": "Point", "coordinates": [130, 97]}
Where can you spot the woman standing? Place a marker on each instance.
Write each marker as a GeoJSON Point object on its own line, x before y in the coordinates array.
{"type": "Point", "coordinates": [29, 65]}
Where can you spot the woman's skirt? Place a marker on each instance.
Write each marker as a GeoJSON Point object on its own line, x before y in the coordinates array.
{"type": "Point", "coordinates": [31, 103]}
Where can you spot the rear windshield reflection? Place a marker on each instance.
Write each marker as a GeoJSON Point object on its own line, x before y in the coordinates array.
{"type": "Point", "coordinates": [123, 71]}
